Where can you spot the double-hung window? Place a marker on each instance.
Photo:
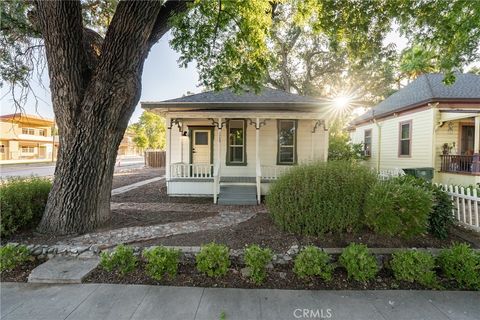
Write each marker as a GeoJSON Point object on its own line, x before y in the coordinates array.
{"type": "Point", "coordinates": [29, 131]}
{"type": "Point", "coordinates": [287, 140]}
{"type": "Point", "coordinates": [405, 139]}
{"type": "Point", "coordinates": [367, 142]}
{"type": "Point", "coordinates": [236, 151]}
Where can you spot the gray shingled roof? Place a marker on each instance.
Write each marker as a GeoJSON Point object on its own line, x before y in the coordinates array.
{"type": "Point", "coordinates": [228, 96]}
{"type": "Point", "coordinates": [427, 88]}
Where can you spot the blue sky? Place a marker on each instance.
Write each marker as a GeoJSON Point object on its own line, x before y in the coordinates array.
{"type": "Point", "coordinates": [162, 79]}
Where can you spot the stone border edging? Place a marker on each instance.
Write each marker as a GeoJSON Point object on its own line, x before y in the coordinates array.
{"type": "Point", "coordinates": [189, 252]}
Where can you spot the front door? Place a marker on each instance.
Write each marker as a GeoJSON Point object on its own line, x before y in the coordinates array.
{"type": "Point", "coordinates": [201, 146]}
{"type": "Point", "coordinates": [467, 140]}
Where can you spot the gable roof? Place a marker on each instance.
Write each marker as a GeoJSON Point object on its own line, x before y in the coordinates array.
{"type": "Point", "coordinates": [227, 98]}
{"type": "Point", "coordinates": [427, 88]}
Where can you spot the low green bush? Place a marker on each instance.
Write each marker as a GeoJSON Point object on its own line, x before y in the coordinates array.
{"type": "Point", "coordinates": [12, 256]}
{"type": "Point", "coordinates": [23, 202]}
{"type": "Point", "coordinates": [395, 208]}
{"type": "Point", "coordinates": [440, 218]}
{"type": "Point", "coordinates": [257, 259]}
{"type": "Point", "coordinates": [311, 261]}
{"type": "Point", "coordinates": [319, 198]}
{"type": "Point", "coordinates": [161, 261]}
{"type": "Point", "coordinates": [414, 266]}
{"type": "Point", "coordinates": [122, 259]}
{"type": "Point", "coordinates": [360, 264]}
{"type": "Point", "coordinates": [213, 260]}
{"type": "Point", "coordinates": [462, 264]}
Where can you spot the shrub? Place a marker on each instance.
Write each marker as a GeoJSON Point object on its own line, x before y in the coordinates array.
{"type": "Point", "coordinates": [319, 198]}
{"type": "Point", "coordinates": [398, 209]}
{"type": "Point", "coordinates": [161, 261]}
{"type": "Point", "coordinates": [122, 259]}
{"type": "Point", "coordinates": [360, 264]}
{"type": "Point", "coordinates": [22, 201]}
{"type": "Point", "coordinates": [440, 218]}
{"type": "Point", "coordinates": [414, 266]}
{"type": "Point", "coordinates": [461, 263]}
{"type": "Point", "coordinates": [11, 256]}
{"type": "Point", "coordinates": [213, 260]}
{"type": "Point", "coordinates": [311, 261]}
{"type": "Point", "coordinates": [256, 260]}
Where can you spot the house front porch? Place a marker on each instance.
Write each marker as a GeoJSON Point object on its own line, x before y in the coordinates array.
{"type": "Point", "coordinates": [458, 147]}
{"type": "Point", "coordinates": [233, 156]}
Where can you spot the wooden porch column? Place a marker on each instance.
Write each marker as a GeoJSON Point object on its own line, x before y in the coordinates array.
{"type": "Point", "coordinates": [169, 145]}
{"type": "Point", "coordinates": [218, 161]}
{"type": "Point", "coordinates": [476, 144]}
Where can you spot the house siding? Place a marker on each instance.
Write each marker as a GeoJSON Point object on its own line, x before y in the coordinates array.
{"type": "Point", "coordinates": [421, 145]}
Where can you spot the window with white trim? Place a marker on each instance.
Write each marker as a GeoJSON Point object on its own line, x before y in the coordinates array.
{"type": "Point", "coordinates": [29, 131]}
{"type": "Point", "coordinates": [405, 139]}
{"type": "Point", "coordinates": [287, 139]}
{"type": "Point", "coordinates": [27, 149]}
{"type": "Point", "coordinates": [367, 142]}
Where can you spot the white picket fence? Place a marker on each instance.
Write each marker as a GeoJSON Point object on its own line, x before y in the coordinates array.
{"type": "Point", "coordinates": [466, 205]}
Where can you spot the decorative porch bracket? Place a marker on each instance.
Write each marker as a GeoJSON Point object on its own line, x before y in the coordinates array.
{"type": "Point", "coordinates": [177, 122]}
{"type": "Point", "coordinates": [257, 125]}
{"type": "Point", "coordinates": [319, 123]}
{"type": "Point", "coordinates": [217, 124]}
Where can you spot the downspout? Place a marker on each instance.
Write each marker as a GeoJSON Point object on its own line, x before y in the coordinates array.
{"type": "Point", "coordinates": [379, 145]}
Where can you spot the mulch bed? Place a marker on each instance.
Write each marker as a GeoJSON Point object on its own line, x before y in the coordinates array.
{"type": "Point", "coordinates": [125, 178]}
{"type": "Point", "coordinates": [262, 231]}
{"type": "Point", "coordinates": [281, 277]}
{"type": "Point", "coordinates": [156, 192]}
{"type": "Point", "coordinates": [137, 218]}
{"type": "Point", "coordinates": [21, 272]}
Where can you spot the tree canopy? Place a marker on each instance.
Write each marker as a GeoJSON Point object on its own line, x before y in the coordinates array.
{"type": "Point", "coordinates": [149, 131]}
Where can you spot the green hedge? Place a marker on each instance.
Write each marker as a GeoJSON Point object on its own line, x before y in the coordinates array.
{"type": "Point", "coordinates": [319, 198]}
{"type": "Point", "coordinates": [22, 201]}
{"type": "Point", "coordinates": [395, 208]}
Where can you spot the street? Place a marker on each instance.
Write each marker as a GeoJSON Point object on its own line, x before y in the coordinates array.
{"type": "Point", "coordinates": [47, 169]}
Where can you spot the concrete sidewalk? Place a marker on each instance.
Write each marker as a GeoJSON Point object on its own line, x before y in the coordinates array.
{"type": "Point", "coordinates": [101, 301]}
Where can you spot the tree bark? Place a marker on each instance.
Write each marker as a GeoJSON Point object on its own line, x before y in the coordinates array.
{"type": "Point", "coordinates": [93, 103]}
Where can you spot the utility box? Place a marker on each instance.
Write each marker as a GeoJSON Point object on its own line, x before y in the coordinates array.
{"type": "Point", "coordinates": [424, 173]}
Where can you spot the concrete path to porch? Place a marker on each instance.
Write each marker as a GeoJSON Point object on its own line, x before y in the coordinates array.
{"type": "Point", "coordinates": [23, 301]}
{"type": "Point", "coordinates": [135, 185]}
{"type": "Point", "coordinates": [110, 238]}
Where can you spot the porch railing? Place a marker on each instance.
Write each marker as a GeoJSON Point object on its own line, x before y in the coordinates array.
{"type": "Point", "coordinates": [189, 170]}
{"type": "Point", "coordinates": [274, 172]}
{"type": "Point", "coordinates": [459, 164]}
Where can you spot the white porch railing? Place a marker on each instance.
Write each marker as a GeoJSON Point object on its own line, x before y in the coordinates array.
{"type": "Point", "coordinates": [189, 170]}
{"type": "Point", "coordinates": [466, 205]}
{"type": "Point", "coordinates": [386, 174]}
{"type": "Point", "coordinates": [273, 172]}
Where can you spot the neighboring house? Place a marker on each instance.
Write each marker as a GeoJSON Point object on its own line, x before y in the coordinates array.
{"type": "Point", "coordinates": [426, 124]}
{"type": "Point", "coordinates": [127, 147]}
{"type": "Point", "coordinates": [27, 137]}
{"type": "Point", "coordinates": [233, 145]}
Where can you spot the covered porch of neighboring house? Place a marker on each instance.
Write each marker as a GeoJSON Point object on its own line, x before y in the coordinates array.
{"type": "Point", "coordinates": [234, 155]}
{"type": "Point", "coordinates": [457, 142]}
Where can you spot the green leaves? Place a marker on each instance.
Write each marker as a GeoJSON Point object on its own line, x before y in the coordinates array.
{"type": "Point", "coordinates": [122, 260]}
{"type": "Point", "coordinates": [213, 260]}
{"type": "Point", "coordinates": [161, 261]}
{"type": "Point", "coordinates": [360, 264]}
{"type": "Point", "coordinates": [461, 263]}
{"type": "Point", "coordinates": [12, 256]}
{"type": "Point", "coordinates": [227, 40]}
{"type": "Point", "coordinates": [149, 131]}
{"type": "Point", "coordinates": [311, 261]}
{"type": "Point", "coordinates": [256, 260]}
{"type": "Point", "coordinates": [414, 266]}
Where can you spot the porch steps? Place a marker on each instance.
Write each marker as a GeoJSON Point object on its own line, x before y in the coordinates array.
{"type": "Point", "coordinates": [231, 194]}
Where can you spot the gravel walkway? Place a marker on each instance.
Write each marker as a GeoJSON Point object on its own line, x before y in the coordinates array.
{"type": "Point", "coordinates": [134, 234]}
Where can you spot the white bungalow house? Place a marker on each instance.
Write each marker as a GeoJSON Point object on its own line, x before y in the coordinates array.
{"type": "Point", "coordinates": [232, 146]}
{"type": "Point", "coordinates": [426, 124]}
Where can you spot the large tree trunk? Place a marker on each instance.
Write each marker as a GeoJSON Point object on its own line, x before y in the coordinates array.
{"type": "Point", "coordinates": [93, 100]}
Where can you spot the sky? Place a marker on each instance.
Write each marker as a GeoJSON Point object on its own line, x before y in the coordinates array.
{"type": "Point", "coordinates": [162, 79]}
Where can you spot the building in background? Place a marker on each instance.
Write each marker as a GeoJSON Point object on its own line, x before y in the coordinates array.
{"type": "Point", "coordinates": [25, 137]}
{"type": "Point", "coordinates": [127, 145]}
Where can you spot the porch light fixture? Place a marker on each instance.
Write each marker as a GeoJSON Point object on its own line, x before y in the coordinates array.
{"type": "Point", "coordinates": [185, 134]}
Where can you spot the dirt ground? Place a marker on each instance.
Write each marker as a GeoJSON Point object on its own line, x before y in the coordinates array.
{"type": "Point", "coordinates": [132, 176]}
{"type": "Point", "coordinates": [261, 230]}
{"type": "Point", "coordinates": [281, 277]}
